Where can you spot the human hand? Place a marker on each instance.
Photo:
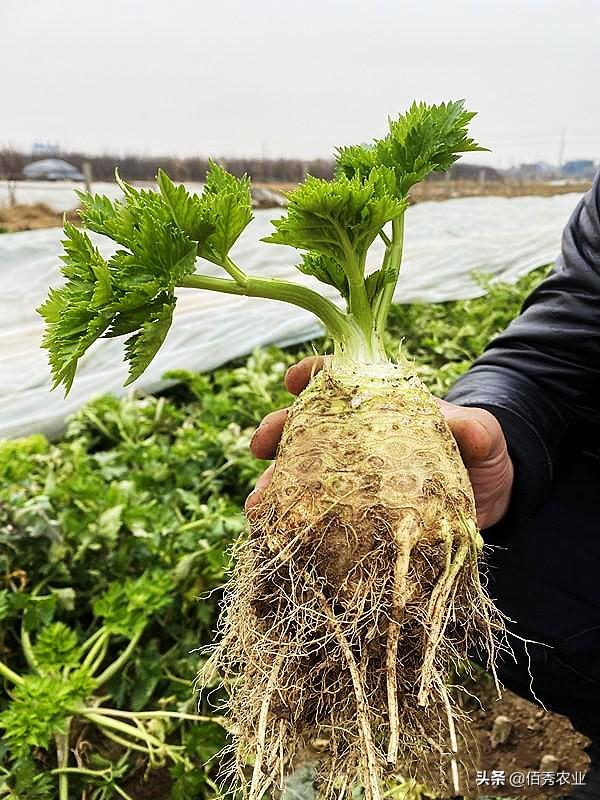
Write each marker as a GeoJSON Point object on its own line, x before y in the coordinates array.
{"type": "Point", "coordinates": [477, 433]}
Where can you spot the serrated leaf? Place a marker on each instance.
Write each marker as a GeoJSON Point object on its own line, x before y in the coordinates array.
{"type": "Point", "coordinates": [39, 708]}
{"type": "Point", "coordinates": [111, 218]}
{"type": "Point", "coordinates": [187, 210]}
{"type": "Point", "coordinates": [355, 160]}
{"type": "Point", "coordinates": [76, 314]}
{"type": "Point", "coordinates": [161, 235]}
{"type": "Point", "coordinates": [56, 647]}
{"type": "Point", "coordinates": [326, 269]}
{"type": "Point", "coordinates": [27, 782]}
{"type": "Point", "coordinates": [127, 606]}
{"type": "Point", "coordinates": [141, 348]}
{"type": "Point", "coordinates": [100, 295]}
{"type": "Point", "coordinates": [228, 206]}
{"type": "Point", "coordinates": [338, 219]}
{"type": "Point", "coordinates": [425, 139]}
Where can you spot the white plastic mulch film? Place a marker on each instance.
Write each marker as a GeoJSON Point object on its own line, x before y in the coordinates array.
{"type": "Point", "coordinates": [445, 243]}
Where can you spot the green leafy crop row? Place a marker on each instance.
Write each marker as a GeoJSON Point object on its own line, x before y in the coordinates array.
{"type": "Point", "coordinates": [114, 542]}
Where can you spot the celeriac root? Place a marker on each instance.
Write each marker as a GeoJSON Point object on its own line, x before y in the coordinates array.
{"type": "Point", "coordinates": [355, 593]}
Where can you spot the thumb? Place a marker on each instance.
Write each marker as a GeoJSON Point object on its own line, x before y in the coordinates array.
{"type": "Point", "coordinates": [473, 438]}
{"type": "Point", "coordinates": [477, 432]}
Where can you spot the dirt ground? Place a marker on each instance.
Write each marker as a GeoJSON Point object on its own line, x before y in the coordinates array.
{"type": "Point", "coordinates": [32, 217]}
{"type": "Point", "coordinates": [449, 189]}
{"type": "Point", "coordinates": [446, 190]}
{"type": "Point", "coordinates": [533, 735]}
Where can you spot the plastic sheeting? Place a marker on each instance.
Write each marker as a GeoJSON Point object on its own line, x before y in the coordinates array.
{"type": "Point", "coordinates": [61, 195]}
{"type": "Point", "coordinates": [445, 243]}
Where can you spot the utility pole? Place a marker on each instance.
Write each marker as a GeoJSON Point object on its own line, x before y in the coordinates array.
{"type": "Point", "coordinates": [12, 192]}
{"type": "Point", "coordinates": [87, 175]}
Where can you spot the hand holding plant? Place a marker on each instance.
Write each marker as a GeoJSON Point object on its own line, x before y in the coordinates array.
{"type": "Point", "coordinates": [477, 432]}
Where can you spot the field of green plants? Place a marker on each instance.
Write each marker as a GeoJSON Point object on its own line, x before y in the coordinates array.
{"type": "Point", "coordinates": [114, 543]}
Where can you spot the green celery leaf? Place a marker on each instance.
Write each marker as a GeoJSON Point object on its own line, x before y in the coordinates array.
{"type": "Point", "coordinates": [326, 269]}
{"type": "Point", "coordinates": [28, 782]}
{"type": "Point", "coordinates": [39, 708]}
{"type": "Point", "coordinates": [109, 217]}
{"type": "Point", "coordinates": [141, 348]}
{"type": "Point", "coordinates": [76, 314]}
{"type": "Point", "coordinates": [56, 647]}
{"type": "Point", "coordinates": [187, 210]}
{"type": "Point", "coordinates": [126, 606]}
{"type": "Point", "coordinates": [425, 139]}
{"type": "Point", "coordinates": [228, 206]}
{"type": "Point", "coordinates": [338, 219]}
{"type": "Point", "coordinates": [161, 235]}
{"type": "Point", "coordinates": [356, 160]}
{"type": "Point", "coordinates": [133, 292]}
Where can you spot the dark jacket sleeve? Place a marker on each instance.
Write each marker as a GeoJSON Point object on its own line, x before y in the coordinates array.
{"type": "Point", "coordinates": [542, 375]}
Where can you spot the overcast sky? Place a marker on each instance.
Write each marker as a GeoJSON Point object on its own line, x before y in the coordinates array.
{"type": "Point", "coordinates": [283, 78]}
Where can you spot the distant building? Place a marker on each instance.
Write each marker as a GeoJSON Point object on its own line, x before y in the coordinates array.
{"type": "Point", "coordinates": [469, 172]}
{"type": "Point", "coordinates": [580, 168]}
{"type": "Point", "coordinates": [52, 169]}
{"type": "Point", "coordinates": [534, 171]}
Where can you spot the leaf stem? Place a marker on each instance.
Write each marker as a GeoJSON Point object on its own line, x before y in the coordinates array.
{"type": "Point", "coordinates": [116, 665]}
{"type": "Point", "coordinates": [130, 730]}
{"type": "Point", "coordinates": [124, 742]}
{"type": "Point", "coordinates": [97, 663]}
{"type": "Point", "coordinates": [90, 640]}
{"type": "Point", "coordinates": [27, 649]}
{"type": "Point", "coordinates": [235, 272]}
{"type": "Point", "coordinates": [93, 773]}
{"type": "Point", "coordinates": [391, 262]}
{"type": "Point", "coordinates": [62, 757]}
{"type": "Point", "coordinates": [122, 792]}
{"type": "Point", "coordinates": [80, 771]}
{"type": "Point", "coordinates": [358, 302]}
{"type": "Point", "coordinates": [97, 646]}
{"type": "Point", "coordinates": [385, 238]}
{"type": "Point", "coordinates": [113, 712]}
{"type": "Point", "coordinates": [10, 675]}
{"type": "Point", "coordinates": [334, 320]}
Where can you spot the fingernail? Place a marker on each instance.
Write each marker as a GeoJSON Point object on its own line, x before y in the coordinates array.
{"type": "Point", "coordinates": [254, 435]}
{"type": "Point", "coordinates": [251, 499]}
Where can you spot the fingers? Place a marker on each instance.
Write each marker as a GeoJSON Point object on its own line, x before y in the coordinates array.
{"type": "Point", "coordinates": [261, 484]}
{"type": "Point", "coordinates": [297, 377]}
{"type": "Point", "coordinates": [266, 437]}
{"type": "Point", "coordinates": [477, 432]}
